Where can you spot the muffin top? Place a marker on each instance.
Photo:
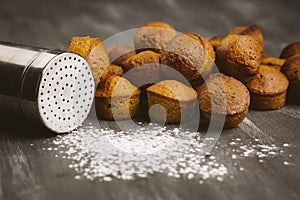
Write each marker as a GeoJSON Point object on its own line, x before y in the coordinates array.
{"type": "Point", "coordinates": [158, 24]}
{"type": "Point", "coordinates": [154, 36]}
{"type": "Point", "coordinates": [83, 45]}
{"type": "Point", "coordinates": [222, 94]}
{"type": "Point", "coordinates": [273, 62]}
{"type": "Point", "coordinates": [209, 51]}
{"type": "Point", "coordinates": [173, 89]}
{"type": "Point", "coordinates": [252, 30]}
{"type": "Point", "coordinates": [241, 53]}
{"type": "Point", "coordinates": [290, 50]}
{"type": "Point", "coordinates": [118, 54]}
{"type": "Point", "coordinates": [291, 68]}
{"type": "Point", "coordinates": [117, 86]}
{"type": "Point", "coordinates": [190, 54]}
{"type": "Point", "coordinates": [268, 81]}
{"type": "Point", "coordinates": [112, 70]}
{"type": "Point", "coordinates": [144, 57]}
{"type": "Point", "coordinates": [215, 41]}
{"type": "Point", "coordinates": [237, 29]}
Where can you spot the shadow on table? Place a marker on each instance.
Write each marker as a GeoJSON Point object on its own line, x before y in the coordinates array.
{"type": "Point", "coordinates": [14, 127]}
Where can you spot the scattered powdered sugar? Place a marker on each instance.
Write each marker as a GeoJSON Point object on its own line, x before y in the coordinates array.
{"type": "Point", "coordinates": [107, 154]}
{"type": "Point", "coordinates": [286, 145]}
{"type": "Point", "coordinates": [288, 163]}
{"type": "Point", "coordinates": [261, 147]}
{"type": "Point", "coordinates": [251, 149]}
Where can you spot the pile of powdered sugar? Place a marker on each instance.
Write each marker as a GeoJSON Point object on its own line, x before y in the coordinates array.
{"type": "Point", "coordinates": [106, 154]}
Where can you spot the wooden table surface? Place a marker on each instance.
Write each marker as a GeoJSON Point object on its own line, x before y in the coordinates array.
{"type": "Point", "coordinates": [29, 172]}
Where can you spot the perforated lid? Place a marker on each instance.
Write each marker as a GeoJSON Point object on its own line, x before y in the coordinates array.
{"type": "Point", "coordinates": [66, 92]}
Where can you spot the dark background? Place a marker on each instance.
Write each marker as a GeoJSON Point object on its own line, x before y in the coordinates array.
{"type": "Point", "coordinates": [31, 173]}
{"type": "Point", "coordinates": [52, 23]}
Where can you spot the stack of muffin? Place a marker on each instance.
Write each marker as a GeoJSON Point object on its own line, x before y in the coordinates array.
{"type": "Point", "coordinates": [177, 72]}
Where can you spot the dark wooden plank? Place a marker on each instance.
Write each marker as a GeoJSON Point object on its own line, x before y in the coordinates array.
{"type": "Point", "coordinates": [53, 173]}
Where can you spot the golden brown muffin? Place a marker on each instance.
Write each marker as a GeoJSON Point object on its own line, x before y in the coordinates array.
{"type": "Point", "coordinates": [268, 89]}
{"type": "Point", "coordinates": [118, 54]}
{"type": "Point", "coordinates": [224, 95]}
{"type": "Point", "coordinates": [237, 30]}
{"type": "Point", "coordinates": [215, 41]}
{"type": "Point", "coordinates": [177, 99]}
{"type": "Point", "coordinates": [190, 55]}
{"type": "Point", "coordinates": [116, 99]}
{"type": "Point", "coordinates": [291, 69]}
{"type": "Point", "coordinates": [276, 63]}
{"type": "Point", "coordinates": [290, 50]}
{"type": "Point", "coordinates": [93, 51]}
{"type": "Point", "coordinates": [252, 30]}
{"type": "Point", "coordinates": [153, 36]}
{"type": "Point", "coordinates": [239, 56]}
{"type": "Point", "coordinates": [112, 70]}
{"type": "Point", "coordinates": [145, 68]}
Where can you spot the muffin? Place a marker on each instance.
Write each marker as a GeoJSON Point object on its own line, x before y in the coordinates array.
{"type": "Point", "coordinates": [252, 30]}
{"type": "Point", "coordinates": [111, 70]}
{"type": "Point", "coordinates": [142, 68]}
{"type": "Point", "coordinates": [290, 50]}
{"type": "Point", "coordinates": [224, 95]}
{"type": "Point", "coordinates": [116, 99]}
{"type": "Point", "coordinates": [268, 89]}
{"type": "Point", "coordinates": [239, 56]}
{"type": "Point", "coordinates": [291, 69]}
{"type": "Point", "coordinates": [153, 36]}
{"type": "Point", "coordinates": [237, 30]}
{"type": "Point", "coordinates": [117, 55]}
{"type": "Point", "coordinates": [93, 51]}
{"type": "Point", "coordinates": [215, 41]}
{"type": "Point", "coordinates": [276, 63]}
{"type": "Point", "coordinates": [176, 100]}
{"type": "Point", "coordinates": [189, 54]}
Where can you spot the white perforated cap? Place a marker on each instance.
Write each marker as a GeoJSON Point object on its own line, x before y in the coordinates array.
{"type": "Point", "coordinates": [66, 92]}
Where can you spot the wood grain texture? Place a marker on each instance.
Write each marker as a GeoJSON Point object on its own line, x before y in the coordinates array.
{"type": "Point", "coordinates": [32, 173]}
{"type": "Point", "coordinates": [29, 172]}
